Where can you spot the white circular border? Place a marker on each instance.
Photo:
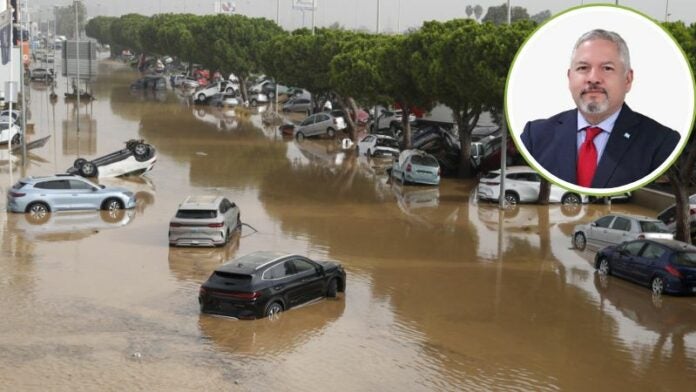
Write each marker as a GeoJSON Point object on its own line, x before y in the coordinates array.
{"type": "Point", "coordinates": [663, 86]}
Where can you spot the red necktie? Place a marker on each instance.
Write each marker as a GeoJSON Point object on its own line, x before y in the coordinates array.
{"type": "Point", "coordinates": [587, 157]}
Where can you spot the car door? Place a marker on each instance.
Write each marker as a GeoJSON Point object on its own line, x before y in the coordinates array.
{"type": "Point", "coordinates": [322, 123]}
{"type": "Point", "coordinates": [619, 231]}
{"type": "Point", "coordinates": [365, 144]}
{"type": "Point", "coordinates": [84, 196]}
{"type": "Point", "coordinates": [625, 258]}
{"type": "Point", "coordinates": [642, 266]}
{"type": "Point", "coordinates": [597, 232]}
{"type": "Point", "coordinates": [291, 285]}
{"type": "Point", "coordinates": [311, 280]}
{"type": "Point", "coordinates": [306, 125]}
{"type": "Point", "coordinates": [57, 193]}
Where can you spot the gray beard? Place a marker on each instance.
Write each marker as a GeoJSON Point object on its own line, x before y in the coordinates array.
{"type": "Point", "coordinates": [595, 107]}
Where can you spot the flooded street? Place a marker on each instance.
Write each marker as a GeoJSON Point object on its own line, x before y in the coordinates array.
{"type": "Point", "coordinates": [437, 298]}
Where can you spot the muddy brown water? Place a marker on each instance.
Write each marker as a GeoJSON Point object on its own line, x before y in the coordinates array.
{"type": "Point", "coordinates": [438, 299]}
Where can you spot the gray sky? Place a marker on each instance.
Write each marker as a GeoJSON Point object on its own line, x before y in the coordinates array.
{"type": "Point", "coordinates": [362, 13]}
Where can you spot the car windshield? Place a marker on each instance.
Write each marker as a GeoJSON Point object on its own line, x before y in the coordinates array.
{"type": "Point", "coordinates": [491, 175]}
{"type": "Point", "coordinates": [241, 278]}
{"type": "Point", "coordinates": [388, 143]}
{"type": "Point", "coordinates": [196, 214]}
{"type": "Point", "coordinates": [424, 160]}
{"type": "Point", "coordinates": [653, 227]}
{"type": "Point", "coordinates": [685, 259]}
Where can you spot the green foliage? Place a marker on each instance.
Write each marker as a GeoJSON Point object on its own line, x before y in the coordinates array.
{"type": "Point", "coordinates": [498, 15]}
{"type": "Point", "coordinates": [99, 28]}
{"type": "Point", "coordinates": [65, 19]}
{"type": "Point", "coordinates": [125, 31]}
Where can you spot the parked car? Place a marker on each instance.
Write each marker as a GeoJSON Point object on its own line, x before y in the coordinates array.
{"type": "Point", "coordinates": [416, 166]}
{"type": "Point", "coordinates": [41, 74]}
{"type": "Point", "coordinates": [204, 221]}
{"type": "Point", "coordinates": [150, 82]}
{"type": "Point", "coordinates": [41, 195]}
{"type": "Point", "coordinates": [522, 185]}
{"type": "Point", "coordinates": [263, 284]}
{"type": "Point", "coordinates": [16, 116]}
{"type": "Point", "coordinates": [391, 119]}
{"type": "Point", "coordinates": [223, 99]}
{"type": "Point", "coordinates": [12, 134]}
{"type": "Point", "coordinates": [617, 228]}
{"type": "Point", "coordinates": [378, 145]}
{"type": "Point", "coordinates": [136, 158]}
{"type": "Point", "coordinates": [257, 98]}
{"type": "Point", "coordinates": [666, 266]}
{"type": "Point", "coordinates": [203, 93]}
{"type": "Point", "coordinates": [298, 104]}
{"type": "Point", "coordinates": [669, 216]}
{"type": "Point", "coordinates": [319, 124]}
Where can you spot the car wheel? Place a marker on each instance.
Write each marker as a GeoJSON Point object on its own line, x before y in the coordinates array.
{"type": "Point", "coordinates": [201, 97]}
{"type": "Point", "coordinates": [271, 95]}
{"type": "Point", "coordinates": [579, 241]}
{"type": "Point", "coordinates": [112, 204]}
{"type": "Point", "coordinates": [300, 136]}
{"type": "Point", "coordinates": [229, 90]}
{"type": "Point", "coordinates": [332, 289]}
{"type": "Point", "coordinates": [254, 103]}
{"type": "Point", "coordinates": [273, 310]}
{"type": "Point", "coordinates": [141, 151]}
{"type": "Point", "coordinates": [511, 198]}
{"type": "Point", "coordinates": [79, 162]}
{"type": "Point", "coordinates": [571, 199]}
{"type": "Point", "coordinates": [38, 213]}
{"type": "Point", "coordinates": [603, 266]}
{"type": "Point", "coordinates": [16, 139]}
{"type": "Point", "coordinates": [331, 132]}
{"type": "Point", "coordinates": [88, 169]}
{"type": "Point", "coordinates": [657, 285]}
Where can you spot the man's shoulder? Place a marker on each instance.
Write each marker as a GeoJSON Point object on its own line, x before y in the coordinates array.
{"type": "Point", "coordinates": [560, 118]}
{"type": "Point", "coordinates": [654, 130]}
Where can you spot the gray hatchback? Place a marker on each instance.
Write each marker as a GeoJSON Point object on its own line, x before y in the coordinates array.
{"type": "Point", "coordinates": [41, 195]}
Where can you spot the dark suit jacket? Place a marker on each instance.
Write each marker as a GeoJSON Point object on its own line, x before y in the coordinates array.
{"type": "Point", "coordinates": [553, 144]}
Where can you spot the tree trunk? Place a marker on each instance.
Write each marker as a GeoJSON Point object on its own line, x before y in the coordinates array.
{"type": "Point", "coordinates": [681, 195]}
{"type": "Point", "coordinates": [349, 103]}
{"type": "Point", "coordinates": [466, 123]}
{"type": "Point", "coordinates": [406, 126]}
{"type": "Point", "coordinates": [243, 87]}
{"type": "Point", "coordinates": [544, 192]}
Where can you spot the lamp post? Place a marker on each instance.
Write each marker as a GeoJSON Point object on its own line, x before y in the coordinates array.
{"type": "Point", "coordinates": [77, 66]}
{"type": "Point", "coordinates": [667, 11]}
{"type": "Point", "coordinates": [503, 144]}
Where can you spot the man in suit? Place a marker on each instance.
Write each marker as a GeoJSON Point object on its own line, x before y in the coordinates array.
{"type": "Point", "coordinates": [602, 143]}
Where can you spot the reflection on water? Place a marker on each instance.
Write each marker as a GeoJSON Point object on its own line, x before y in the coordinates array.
{"type": "Point", "coordinates": [438, 298]}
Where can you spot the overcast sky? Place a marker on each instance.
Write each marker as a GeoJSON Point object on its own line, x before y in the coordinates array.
{"type": "Point", "coordinates": [363, 13]}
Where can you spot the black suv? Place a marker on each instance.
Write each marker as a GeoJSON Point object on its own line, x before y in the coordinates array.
{"type": "Point", "coordinates": [266, 283]}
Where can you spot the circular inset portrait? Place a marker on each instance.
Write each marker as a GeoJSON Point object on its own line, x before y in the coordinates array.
{"type": "Point", "coordinates": [600, 100]}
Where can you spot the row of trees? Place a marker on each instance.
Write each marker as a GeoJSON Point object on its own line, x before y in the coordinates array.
{"type": "Point", "coordinates": [460, 63]}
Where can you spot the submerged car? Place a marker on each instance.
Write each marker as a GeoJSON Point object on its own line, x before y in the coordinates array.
{"type": "Point", "coordinates": [378, 145]}
{"type": "Point", "coordinates": [666, 266]}
{"type": "Point", "coordinates": [41, 195]}
{"type": "Point", "coordinates": [263, 284]}
{"type": "Point", "coordinates": [136, 158]}
{"type": "Point", "coordinates": [617, 228]}
{"type": "Point", "coordinates": [319, 124]}
{"type": "Point", "coordinates": [416, 166]}
{"type": "Point", "coordinates": [204, 221]}
{"type": "Point", "coordinates": [223, 99]}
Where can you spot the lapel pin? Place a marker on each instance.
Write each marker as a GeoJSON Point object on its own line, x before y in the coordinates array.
{"type": "Point", "coordinates": [627, 135]}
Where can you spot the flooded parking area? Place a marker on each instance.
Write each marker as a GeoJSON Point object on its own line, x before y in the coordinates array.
{"type": "Point", "coordinates": [438, 297]}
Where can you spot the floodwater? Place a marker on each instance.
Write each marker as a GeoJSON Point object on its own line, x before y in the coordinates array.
{"type": "Point", "coordinates": [438, 299]}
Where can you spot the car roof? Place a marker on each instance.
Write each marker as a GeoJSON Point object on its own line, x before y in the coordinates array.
{"type": "Point", "coordinates": [636, 217]}
{"type": "Point", "coordinates": [35, 179]}
{"type": "Point", "coordinates": [201, 202]}
{"type": "Point", "coordinates": [674, 244]}
{"type": "Point", "coordinates": [252, 262]}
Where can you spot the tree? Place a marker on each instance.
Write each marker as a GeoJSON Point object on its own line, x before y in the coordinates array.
{"type": "Point", "coordinates": [469, 11]}
{"type": "Point", "coordinates": [681, 174]}
{"type": "Point", "coordinates": [478, 11]}
{"type": "Point", "coordinates": [541, 16]}
{"type": "Point", "coordinates": [498, 15]}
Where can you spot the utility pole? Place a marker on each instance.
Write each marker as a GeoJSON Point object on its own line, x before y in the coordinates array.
{"type": "Point", "coordinates": [503, 142]}
{"type": "Point", "coordinates": [314, 10]}
{"type": "Point", "coordinates": [77, 65]}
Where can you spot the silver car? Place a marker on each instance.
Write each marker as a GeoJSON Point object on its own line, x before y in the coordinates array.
{"type": "Point", "coordinates": [617, 228]}
{"type": "Point", "coordinates": [319, 124]}
{"type": "Point", "coordinates": [298, 104]}
{"type": "Point", "coordinates": [41, 195]}
{"type": "Point", "coordinates": [416, 166]}
{"type": "Point", "coordinates": [204, 221]}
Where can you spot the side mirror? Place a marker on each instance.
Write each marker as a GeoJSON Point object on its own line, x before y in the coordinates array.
{"type": "Point", "coordinates": [623, 252]}
{"type": "Point", "coordinates": [593, 224]}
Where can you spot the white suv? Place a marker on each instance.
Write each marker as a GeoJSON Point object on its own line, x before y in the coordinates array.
{"type": "Point", "coordinates": [204, 221]}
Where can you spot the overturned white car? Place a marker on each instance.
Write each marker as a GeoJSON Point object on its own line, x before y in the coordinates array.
{"type": "Point", "coordinates": [136, 159]}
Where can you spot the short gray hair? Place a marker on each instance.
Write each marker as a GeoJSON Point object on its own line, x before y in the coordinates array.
{"type": "Point", "coordinates": [607, 36]}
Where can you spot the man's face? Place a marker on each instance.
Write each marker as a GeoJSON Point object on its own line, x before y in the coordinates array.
{"type": "Point", "coordinates": [598, 79]}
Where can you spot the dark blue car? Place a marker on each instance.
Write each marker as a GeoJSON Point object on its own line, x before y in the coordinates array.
{"type": "Point", "coordinates": [663, 265]}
